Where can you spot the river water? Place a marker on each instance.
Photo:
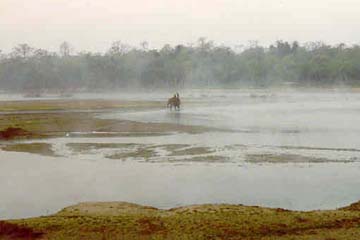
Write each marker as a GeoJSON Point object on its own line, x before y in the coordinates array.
{"type": "Point", "coordinates": [276, 124]}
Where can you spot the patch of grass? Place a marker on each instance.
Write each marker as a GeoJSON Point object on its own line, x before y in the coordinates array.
{"type": "Point", "coordinates": [38, 148]}
{"type": "Point", "coordinates": [142, 152]}
{"type": "Point", "coordinates": [203, 159]}
{"type": "Point", "coordinates": [62, 123]}
{"type": "Point", "coordinates": [285, 158]}
{"type": "Point", "coordinates": [171, 147]}
{"type": "Point", "coordinates": [192, 151]}
{"type": "Point", "coordinates": [210, 221]}
{"type": "Point", "coordinates": [321, 148]}
{"type": "Point", "coordinates": [235, 147]}
{"type": "Point", "coordinates": [74, 104]}
{"type": "Point", "coordinates": [85, 147]}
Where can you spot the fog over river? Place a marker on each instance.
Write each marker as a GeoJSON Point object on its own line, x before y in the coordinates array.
{"type": "Point", "coordinates": [294, 150]}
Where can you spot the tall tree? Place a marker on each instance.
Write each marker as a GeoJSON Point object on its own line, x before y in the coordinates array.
{"type": "Point", "coordinates": [65, 49]}
{"type": "Point", "coordinates": [22, 50]}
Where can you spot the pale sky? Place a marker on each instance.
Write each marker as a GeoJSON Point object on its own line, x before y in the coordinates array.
{"type": "Point", "coordinates": [94, 24]}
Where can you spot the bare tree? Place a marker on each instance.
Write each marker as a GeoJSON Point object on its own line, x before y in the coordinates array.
{"type": "Point", "coordinates": [144, 45]}
{"type": "Point", "coordinates": [39, 53]}
{"type": "Point", "coordinates": [22, 50]}
{"type": "Point", "coordinates": [205, 45]}
{"type": "Point", "coordinates": [118, 48]}
{"type": "Point", "coordinates": [65, 49]}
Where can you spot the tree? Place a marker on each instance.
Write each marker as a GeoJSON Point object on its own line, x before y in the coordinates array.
{"type": "Point", "coordinates": [65, 49]}
{"type": "Point", "coordinates": [22, 50]}
{"type": "Point", "coordinates": [144, 45]}
{"type": "Point", "coordinates": [205, 45]}
{"type": "Point", "coordinates": [294, 47]}
{"type": "Point", "coordinates": [2, 55]}
{"type": "Point", "coordinates": [203, 64]}
{"type": "Point", "coordinates": [39, 53]}
{"type": "Point", "coordinates": [118, 48]}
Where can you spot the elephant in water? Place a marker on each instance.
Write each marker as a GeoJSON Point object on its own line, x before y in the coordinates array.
{"type": "Point", "coordinates": [174, 102]}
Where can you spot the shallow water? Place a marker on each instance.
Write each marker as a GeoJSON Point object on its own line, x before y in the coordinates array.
{"type": "Point", "coordinates": [33, 185]}
{"type": "Point", "coordinates": [315, 125]}
{"type": "Point", "coordinates": [300, 119]}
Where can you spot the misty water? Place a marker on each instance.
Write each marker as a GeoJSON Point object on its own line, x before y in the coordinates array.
{"type": "Point", "coordinates": [312, 125]}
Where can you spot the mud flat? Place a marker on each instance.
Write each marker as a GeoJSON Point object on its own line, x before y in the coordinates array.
{"type": "Point", "coordinates": [121, 220]}
{"type": "Point", "coordinates": [74, 104]}
{"type": "Point", "coordinates": [37, 148]}
{"type": "Point", "coordinates": [58, 118]}
{"type": "Point", "coordinates": [288, 158]}
{"type": "Point", "coordinates": [41, 119]}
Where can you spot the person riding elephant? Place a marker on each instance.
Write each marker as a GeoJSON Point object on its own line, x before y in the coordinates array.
{"type": "Point", "coordinates": [174, 102]}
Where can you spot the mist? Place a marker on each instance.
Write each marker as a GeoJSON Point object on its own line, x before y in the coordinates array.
{"type": "Point", "coordinates": [203, 64]}
{"type": "Point", "coordinates": [166, 119]}
{"type": "Point", "coordinates": [94, 24]}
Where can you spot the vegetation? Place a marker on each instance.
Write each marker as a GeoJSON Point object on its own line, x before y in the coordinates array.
{"type": "Point", "coordinates": [41, 118]}
{"type": "Point", "coordinates": [117, 220]}
{"type": "Point", "coordinates": [288, 158]}
{"type": "Point", "coordinates": [86, 147]}
{"type": "Point", "coordinates": [192, 151]}
{"type": "Point", "coordinates": [39, 148]}
{"type": "Point", "coordinates": [202, 64]}
{"type": "Point", "coordinates": [74, 104]}
{"type": "Point", "coordinates": [12, 133]}
{"type": "Point", "coordinates": [143, 152]}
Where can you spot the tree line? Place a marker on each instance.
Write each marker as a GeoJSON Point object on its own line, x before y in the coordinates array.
{"type": "Point", "coordinates": [202, 64]}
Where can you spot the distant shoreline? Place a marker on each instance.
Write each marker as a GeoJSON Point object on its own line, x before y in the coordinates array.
{"type": "Point", "coordinates": [166, 91]}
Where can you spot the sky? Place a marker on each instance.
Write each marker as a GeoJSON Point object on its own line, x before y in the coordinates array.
{"type": "Point", "coordinates": [92, 25]}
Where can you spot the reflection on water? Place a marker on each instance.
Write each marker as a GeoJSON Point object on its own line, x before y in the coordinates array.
{"type": "Point", "coordinates": [32, 185]}
{"type": "Point", "coordinates": [175, 117]}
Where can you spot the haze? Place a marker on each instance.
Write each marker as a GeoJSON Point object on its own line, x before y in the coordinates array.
{"type": "Point", "coordinates": [94, 24]}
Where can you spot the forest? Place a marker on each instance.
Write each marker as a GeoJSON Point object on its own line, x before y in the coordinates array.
{"type": "Point", "coordinates": [202, 64]}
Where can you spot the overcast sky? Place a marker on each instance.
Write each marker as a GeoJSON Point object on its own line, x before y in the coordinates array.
{"type": "Point", "coordinates": [94, 24]}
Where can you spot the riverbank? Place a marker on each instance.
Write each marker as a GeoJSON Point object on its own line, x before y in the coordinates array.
{"type": "Point", "coordinates": [187, 179]}
{"type": "Point", "coordinates": [59, 118]}
{"type": "Point", "coordinates": [119, 220]}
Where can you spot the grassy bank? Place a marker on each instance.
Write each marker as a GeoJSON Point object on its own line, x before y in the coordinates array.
{"type": "Point", "coordinates": [75, 104]}
{"type": "Point", "coordinates": [117, 220]}
{"type": "Point", "coordinates": [53, 118]}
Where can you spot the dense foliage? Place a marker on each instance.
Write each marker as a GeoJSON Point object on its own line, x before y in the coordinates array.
{"type": "Point", "coordinates": [203, 64]}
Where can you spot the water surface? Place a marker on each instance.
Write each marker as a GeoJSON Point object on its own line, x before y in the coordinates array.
{"type": "Point", "coordinates": [313, 125]}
